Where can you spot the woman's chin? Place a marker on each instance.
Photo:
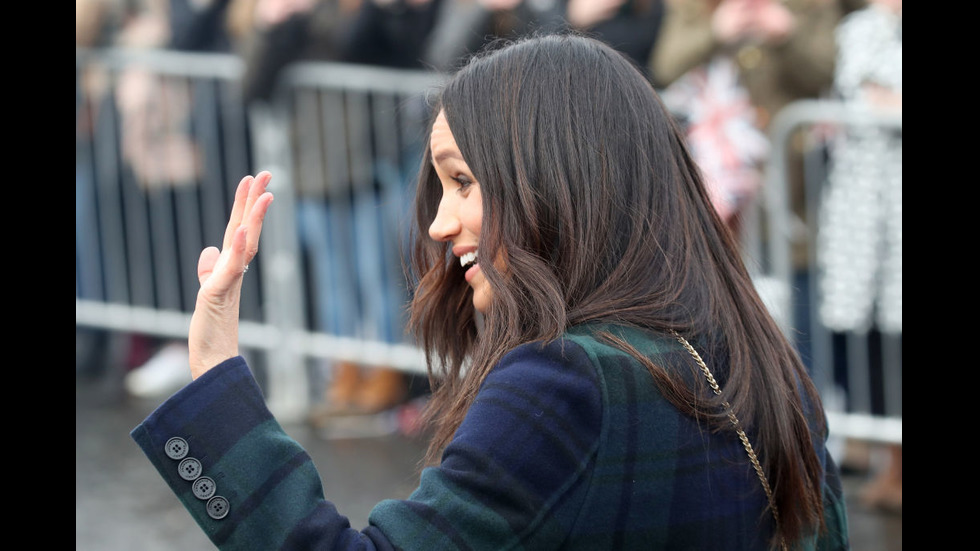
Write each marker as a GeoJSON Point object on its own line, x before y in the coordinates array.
{"type": "Point", "coordinates": [481, 300]}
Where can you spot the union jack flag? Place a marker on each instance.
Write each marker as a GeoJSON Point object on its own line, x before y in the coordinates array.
{"type": "Point", "coordinates": [722, 132]}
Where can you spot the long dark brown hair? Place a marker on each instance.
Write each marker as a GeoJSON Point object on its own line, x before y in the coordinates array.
{"type": "Point", "coordinates": [593, 200]}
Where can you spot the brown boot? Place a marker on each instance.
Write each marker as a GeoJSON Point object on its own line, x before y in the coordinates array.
{"type": "Point", "coordinates": [338, 399]}
{"type": "Point", "coordinates": [885, 491]}
{"type": "Point", "coordinates": [347, 377]}
{"type": "Point", "coordinates": [381, 389]}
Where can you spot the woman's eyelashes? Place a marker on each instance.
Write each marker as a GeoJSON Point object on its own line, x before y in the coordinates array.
{"type": "Point", "coordinates": [464, 183]}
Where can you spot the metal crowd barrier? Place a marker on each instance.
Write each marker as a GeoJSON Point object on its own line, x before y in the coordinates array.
{"type": "Point", "coordinates": [158, 140]}
{"type": "Point", "coordinates": [859, 371]}
{"type": "Point", "coordinates": [163, 137]}
{"type": "Point", "coordinates": [343, 143]}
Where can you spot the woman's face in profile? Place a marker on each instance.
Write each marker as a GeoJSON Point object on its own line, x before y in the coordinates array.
{"type": "Point", "coordinates": [460, 215]}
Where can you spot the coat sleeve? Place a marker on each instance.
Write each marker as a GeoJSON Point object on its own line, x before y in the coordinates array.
{"type": "Point", "coordinates": [247, 484]}
{"type": "Point", "coordinates": [513, 473]}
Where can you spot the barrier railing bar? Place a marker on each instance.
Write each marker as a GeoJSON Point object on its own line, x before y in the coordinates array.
{"type": "Point", "coordinates": [89, 276]}
{"type": "Point", "coordinates": [865, 427]}
{"type": "Point", "coordinates": [892, 365]}
{"type": "Point", "coordinates": [189, 64]}
{"type": "Point", "coordinates": [360, 78]}
{"type": "Point", "coordinates": [258, 336]}
{"type": "Point", "coordinates": [108, 182]}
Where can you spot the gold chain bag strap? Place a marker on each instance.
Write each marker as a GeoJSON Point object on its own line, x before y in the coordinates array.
{"type": "Point", "coordinates": [738, 429]}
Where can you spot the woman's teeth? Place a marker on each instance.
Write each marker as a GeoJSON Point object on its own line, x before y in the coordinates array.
{"type": "Point", "coordinates": [467, 259]}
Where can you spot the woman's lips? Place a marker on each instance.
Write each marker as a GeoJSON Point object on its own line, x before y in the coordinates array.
{"type": "Point", "coordinates": [471, 272]}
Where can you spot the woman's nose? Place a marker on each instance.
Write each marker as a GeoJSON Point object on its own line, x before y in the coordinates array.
{"type": "Point", "coordinates": [446, 224]}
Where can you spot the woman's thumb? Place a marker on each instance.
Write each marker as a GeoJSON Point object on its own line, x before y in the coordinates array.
{"type": "Point", "coordinates": [205, 264]}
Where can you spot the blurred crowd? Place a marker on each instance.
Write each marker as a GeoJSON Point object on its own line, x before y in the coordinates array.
{"type": "Point", "coordinates": [725, 67]}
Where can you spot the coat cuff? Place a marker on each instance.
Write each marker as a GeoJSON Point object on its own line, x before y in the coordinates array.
{"type": "Point", "coordinates": [185, 436]}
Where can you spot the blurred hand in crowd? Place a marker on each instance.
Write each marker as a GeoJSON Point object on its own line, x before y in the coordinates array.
{"type": "Point", "coordinates": [582, 14]}
{"type": "Point", "coordinates": [736, 21]}
{"type": "Point", "coordinates": [882, 97]}
{"type": "Point", "coordinates": [269, 13]}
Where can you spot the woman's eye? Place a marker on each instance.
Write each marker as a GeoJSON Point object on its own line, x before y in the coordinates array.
{"type": "Point", "coordinates": [464, 183]}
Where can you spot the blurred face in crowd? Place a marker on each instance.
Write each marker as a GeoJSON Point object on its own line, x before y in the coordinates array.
{"type": "Point", "coordinates": [460, 214]}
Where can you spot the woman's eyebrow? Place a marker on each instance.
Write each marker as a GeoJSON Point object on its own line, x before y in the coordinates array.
{"type": "Point", "coordinates": [446, 154]}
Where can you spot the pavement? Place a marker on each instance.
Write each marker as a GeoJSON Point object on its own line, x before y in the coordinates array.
{"type": "Point", "coordinates": [122, 504]}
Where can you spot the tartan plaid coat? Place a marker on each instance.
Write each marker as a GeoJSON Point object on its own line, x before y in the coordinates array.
{"type": "Point", "coordinates": [568, 445]}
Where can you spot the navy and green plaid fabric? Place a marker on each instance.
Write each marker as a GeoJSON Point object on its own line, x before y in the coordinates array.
{"type": "Point", "coordinates": [568, 445]}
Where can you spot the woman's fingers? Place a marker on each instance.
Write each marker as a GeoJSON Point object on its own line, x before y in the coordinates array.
{"type": "Point", "coordinates": [221, 268]}
{"type": "Point", "coordinates": [238, 209]}
{"type": "Point", "coordinates": [255, 211]}
{"type": "Point", "coordinates": [251, 203]}
{"type": "Point", "coordinates": [255, 190]}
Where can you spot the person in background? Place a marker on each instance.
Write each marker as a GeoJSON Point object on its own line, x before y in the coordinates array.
{"type": "Point", "coordinates": [338, 216]}
{"type": "Point", "coordinates": [158, 158]}
{"type": "Point", "coordinates": [859, 235]}
{"type": "Point", "coordinates": [392, 33]}
{"type": "Point", "coordinates": [630, 26]}
{"type": "Point", "coordinates": [605, 375]}
{"type": "Point", "coordinates": [202, 25]}
{"type": "Point", "coordinates": [98, 24]}
{"type": "Point", "coordinates": [163, 150]}
{"type": "Point", "coordinates": [464, 27]}
{"type": "Point", "coordinates": [726, 67]}
{"type": "Point", "coordinates": [279, 32]}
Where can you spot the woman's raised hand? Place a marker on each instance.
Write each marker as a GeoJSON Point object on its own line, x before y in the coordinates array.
{"type": "Point", "coordinates": [213, 335]}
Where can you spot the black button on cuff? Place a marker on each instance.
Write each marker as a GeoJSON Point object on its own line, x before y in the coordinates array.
{"type": "Point", "coordinates": [204, 488]}
{"type": "Point", "coordinates": [189, 469]}
{"type": "Point", "coordinates": [218, 507]}
{"type": "Point", "coordinates": [176, 448]}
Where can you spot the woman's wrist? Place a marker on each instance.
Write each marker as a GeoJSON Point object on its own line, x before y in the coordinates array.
{"type": "Point", "coordinates": [215, 338]}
